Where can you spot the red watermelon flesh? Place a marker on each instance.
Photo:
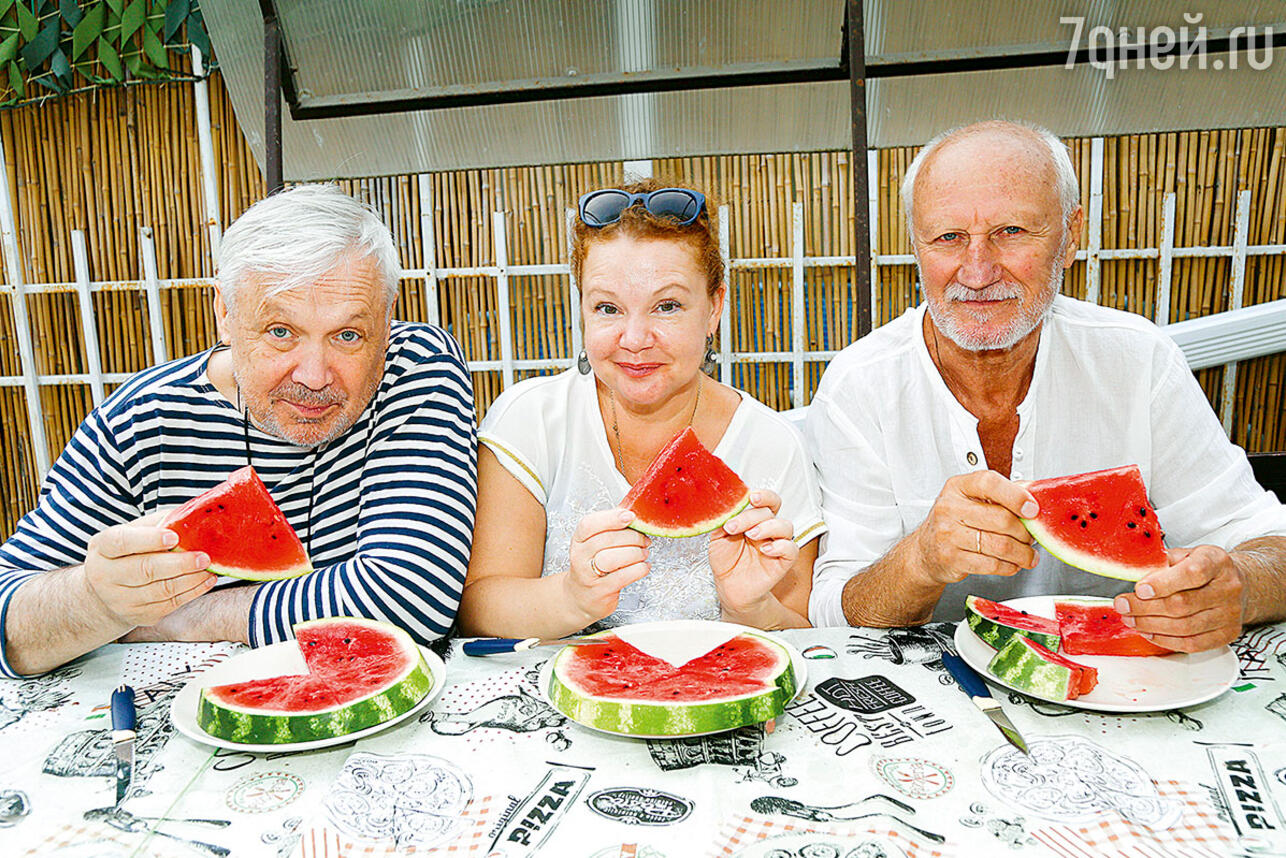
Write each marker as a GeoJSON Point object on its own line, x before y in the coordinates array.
{"type": "Point", "coordinates": [1094, 627]}
{"type": "Point", "coordinates": [686, 491]}
{"type": "Point", "coordinates": [242, 530]}
{"type": "Point", "coordinates": [616, 669]}
{"type": "Point", "coordinates": [1100, 522]}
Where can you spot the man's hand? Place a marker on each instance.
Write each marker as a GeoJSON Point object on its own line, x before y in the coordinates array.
{"type": "Point", "coordinates": [973, 529]}
{"type": "Point", "coordinates": [136, 576]}
{"type": "Point", "coordinates": [1197, 604]}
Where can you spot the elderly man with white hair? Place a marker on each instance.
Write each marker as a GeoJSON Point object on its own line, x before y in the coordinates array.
{"type": "Point", "coordinates": [361, 427]}
{"type": "Point", "coordinates": [924, 431]}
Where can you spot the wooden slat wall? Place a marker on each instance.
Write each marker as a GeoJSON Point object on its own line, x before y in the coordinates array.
{"type": "Point", "coordinates": [114, 161]}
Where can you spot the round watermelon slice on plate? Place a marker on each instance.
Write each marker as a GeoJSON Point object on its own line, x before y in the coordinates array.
{"type": "Point", "coordinates": [242, 529]}
{"type": "Point", "coordinates": [358, 673]}
{"type": "Point", "coordinates": [686, 491]}
{"type": "Point", "coordinates": [1101, 522]}
{"type": "Point", "coordinates": [610, 684]}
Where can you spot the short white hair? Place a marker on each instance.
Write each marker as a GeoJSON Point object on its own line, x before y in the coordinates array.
{"type": "Point", "coordinates": [298, 235]}
{"type": "Point", "coordinates": [1069, 191]}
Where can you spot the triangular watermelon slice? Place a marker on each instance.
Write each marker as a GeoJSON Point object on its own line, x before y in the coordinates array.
{"type": "Point", "coordinates": [242, 529]}
{"type": "Point", "coordinates": [686, 491]}
{"type": "Point", "coordinates": [1094, 627]}
{"type": "Point", "coordinates": [1100, 522]}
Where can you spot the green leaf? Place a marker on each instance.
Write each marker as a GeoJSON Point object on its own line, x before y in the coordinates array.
{"type": "Point", "coordinates": [176, 12]}
{"type": "Point", "coordinates": [9, 48]}
{"type": "Point", "coordinates": [70, 11]}
{"type": "Point", "coordinates": [110, 60]}
{"type": "Point", "coordinates": [88, 30]}
{"type": "Point", "coordinates": [48, 82]}
{"type": "Point", "coordinates": [39, 49]}
{"type": "Point", "coordinates": [117, 6]}
{"type": "Point", "coordinates": [132, 18]}
{"type": "Point", "coordinates": [61, 69]}
{"type": "Point", "coordinates": [5, 6]}
{"type": "Point", "coordinates": [15, 80]}
{"type": "Point", "coordinates": [198, 37]}
{"type": "Point", "coordinates": [154, 49]}
{"type": "Point", "coordinates": [27, 23]}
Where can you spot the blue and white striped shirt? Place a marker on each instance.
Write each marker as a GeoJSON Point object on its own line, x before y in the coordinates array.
{"type": "Point", "coordinates": [394, 496]}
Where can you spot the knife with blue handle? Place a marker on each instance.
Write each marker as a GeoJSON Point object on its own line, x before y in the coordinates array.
{"type": "Point", "coordinates": [495, 646]}
{"type": "Point", "coordinates": [973, 685]}
{"type": "Point", "coordinates": [123, 724]}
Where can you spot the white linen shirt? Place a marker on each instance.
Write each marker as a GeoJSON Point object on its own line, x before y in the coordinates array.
{"type": "Point", "coordinates": [1109, 388]}
{"type": "Point", "coordinates": [549, 434]}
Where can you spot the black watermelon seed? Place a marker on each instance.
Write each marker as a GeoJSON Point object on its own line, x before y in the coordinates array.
{"type": "Point", "coordinates": [1143, 512]}
{"type": "Point", "coordinates": [1085, 524]}
{"type": "Point", "coordinates": [1147, 534]}
{"type": "Point", "coordinates": [1130, 524]}
{"type": "Point", "coordinates": [1074, 516]}
{"type": "Point", "coordinates": [1093, 515]}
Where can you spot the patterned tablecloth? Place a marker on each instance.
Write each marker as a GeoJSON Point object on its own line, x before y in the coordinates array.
{"type": "Point", "coordinates": [880, 756]}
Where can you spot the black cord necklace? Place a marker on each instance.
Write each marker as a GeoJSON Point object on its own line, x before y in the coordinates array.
{"type": "Point", "coordinates": [312, 472]}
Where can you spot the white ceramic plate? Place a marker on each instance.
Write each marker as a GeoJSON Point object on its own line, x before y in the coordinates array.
{"type": "Point", "coordinates": [275, 660]}
{"type": "Point", "coordinates": [1125, 683]}
{"type": "Point", "coordinates": [659, 639]}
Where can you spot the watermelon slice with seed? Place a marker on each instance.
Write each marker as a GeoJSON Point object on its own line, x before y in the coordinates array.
{"type": "Point", "coordinates": [1094, 627]}
{"type": "Point", "coordinates": [996, 624]}
{"type": "Point", "coordinates": [686, 491]}
{"type": "Point", "coordinates": [1101, 522]}
{"type": "Point", "coordinates": [1026, 665]}
{"type": "Point", "coordinates": [240, 527]}
{"type": "Point", "coordinates": [360, 673]}
{"type": "Point", "coordinates": [614, 686]}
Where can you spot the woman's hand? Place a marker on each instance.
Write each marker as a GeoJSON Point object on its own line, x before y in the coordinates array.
{"type": "Point", "coordinates": [606, 557]}
{"type": "Point", "coordinates": [749, 555]}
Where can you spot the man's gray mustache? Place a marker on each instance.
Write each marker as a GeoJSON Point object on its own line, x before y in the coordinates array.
{"type": "Point", "coordinates": [302, 395]}
{"type": "Point", "coordinates": [999, 292]}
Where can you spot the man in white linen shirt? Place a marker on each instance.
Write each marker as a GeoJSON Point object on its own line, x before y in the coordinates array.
{"type": "Point", "coordinates": [923, 431]}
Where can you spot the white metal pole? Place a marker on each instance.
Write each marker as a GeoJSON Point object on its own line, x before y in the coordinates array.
{"type": "Point", "coordinates": [873, 207]}
{"type": "Point", "coordinates": [1239, 238]}
{"type": "Point", "coordinates": [502, 299]}
{"type": "Point", "coordinates": [22, 324]}
{"type": "Point", "coordinates": [428, 249]}
{"type": "Point", "coordinates": [1093, 273]}
{"type": "Point", "coordinates": [1167, 260]}
{"type": "Point", "coordinates": [152, 289]}
{"type": "Point", "coordinates": [88, 321]}
{"type": "Point", "coordinates": [725, 317]}
{"type": "Point", "coordinates": [797, 302]}
{"type": "Point", "coordinates": [205, 143]}
{"type": "Point", "coordinates": [573, 290]}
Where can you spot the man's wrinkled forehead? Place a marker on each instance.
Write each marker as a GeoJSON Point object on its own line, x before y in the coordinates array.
{"type": "Point", "coordinates": [1003, 160]}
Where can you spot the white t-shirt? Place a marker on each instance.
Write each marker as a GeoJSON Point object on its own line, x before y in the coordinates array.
{"type": "Point", "coordinates": [549, 434]}
{"type": "Point", "coordinates": [1109, 389]}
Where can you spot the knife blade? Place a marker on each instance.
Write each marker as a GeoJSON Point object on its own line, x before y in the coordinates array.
{"type": "Point", "coordinates": [495, 646]}
{"type": "Point", "coordinates": [123, 724]}
{"type": "Point", "coordinates": [973, 685]}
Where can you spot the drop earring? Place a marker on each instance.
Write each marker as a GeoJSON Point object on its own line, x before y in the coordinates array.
{"type": "Point", "coordinates": [582, 363]}
{"type": "Point", "coordinates": [711, 361]}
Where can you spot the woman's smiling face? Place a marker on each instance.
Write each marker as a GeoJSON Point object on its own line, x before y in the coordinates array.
{"type": "Point", "coordinates": [647, 312]}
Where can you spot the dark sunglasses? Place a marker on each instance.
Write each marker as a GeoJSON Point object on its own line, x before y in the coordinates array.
{"type": "Point", "coordinates": [605, 206]}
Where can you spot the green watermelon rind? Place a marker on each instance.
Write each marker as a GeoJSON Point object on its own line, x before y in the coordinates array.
{"type": "Point", "coordinates": [1019, 666]}
{"type": "Point", "coordinates": [695, 529]}
{"type": "Point", "coordinates": [258, 574]}
{"type": "Point", "coordinates": [1083, 560]}
{"type": "Point", "coordinates": [996, 634]}
{"type": "Point", "coordinates": [636, 718]}
{"type": "Point", "coordinates": [246, 726]}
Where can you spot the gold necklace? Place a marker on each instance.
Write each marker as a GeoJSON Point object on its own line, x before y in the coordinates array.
{"type": "Point", "coordinates": [618, 451]}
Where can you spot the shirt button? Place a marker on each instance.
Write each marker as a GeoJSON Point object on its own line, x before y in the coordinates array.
{"type": "Point", "coordinates": [972, 458]}
{"type": "Point", "coordinates": [1018, 454]}
{"type": "Point", "coordinates": [1015, 475]}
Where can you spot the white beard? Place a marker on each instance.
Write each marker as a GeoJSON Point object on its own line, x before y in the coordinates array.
{"type": "Point", "coordinates": [1030, 313]}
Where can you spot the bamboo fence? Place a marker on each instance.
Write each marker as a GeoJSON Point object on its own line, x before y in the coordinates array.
{"type": "Point", "coordinates": [112, 161]}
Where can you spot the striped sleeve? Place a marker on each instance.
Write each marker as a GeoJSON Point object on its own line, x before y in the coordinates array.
{"type": "Point", "coordinates": [83, 493]}
{"type": "Point", "coordinates": [415, 521]}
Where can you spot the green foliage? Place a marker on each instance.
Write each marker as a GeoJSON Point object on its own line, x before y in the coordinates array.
{"type": "Point", "coordinates": [65, 46]}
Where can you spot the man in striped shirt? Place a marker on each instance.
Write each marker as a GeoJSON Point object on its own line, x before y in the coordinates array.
{"type": "Point", "coordinates": [361, 427]}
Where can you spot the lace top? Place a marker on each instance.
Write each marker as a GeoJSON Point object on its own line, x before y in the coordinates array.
{"type": "Point", "coordinates": [549, 434]}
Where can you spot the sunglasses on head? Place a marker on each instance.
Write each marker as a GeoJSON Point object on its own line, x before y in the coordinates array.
{"type": "Point", "coordinates": [605, 206]}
